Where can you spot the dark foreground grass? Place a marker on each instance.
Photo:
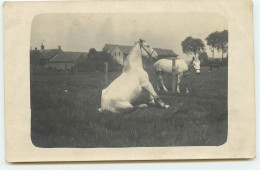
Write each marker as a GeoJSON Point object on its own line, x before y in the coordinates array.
{"type": "Point", "coordinates": [71, 119]}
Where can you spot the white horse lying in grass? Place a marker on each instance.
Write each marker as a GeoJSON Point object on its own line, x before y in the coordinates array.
{"type": "Point", "coordinates": [119, 95]}
{"type": "Point", "coordinates": [181, 69]}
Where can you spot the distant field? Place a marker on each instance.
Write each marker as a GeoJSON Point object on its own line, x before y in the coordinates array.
{"type": "Point", "coordinates": [71, 119]}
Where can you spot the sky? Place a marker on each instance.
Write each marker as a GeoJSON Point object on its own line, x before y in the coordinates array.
{"type": "Point", "coordinates": [80, 32]}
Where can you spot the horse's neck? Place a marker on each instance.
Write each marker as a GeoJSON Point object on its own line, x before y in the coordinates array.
{"type": "Point", "coordinates": [189, 63]}
{"type": "Point", "coordinates": [134, 59]}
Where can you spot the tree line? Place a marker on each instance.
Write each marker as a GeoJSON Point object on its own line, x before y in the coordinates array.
{"type": "Point", "coordinates": [216, 41]}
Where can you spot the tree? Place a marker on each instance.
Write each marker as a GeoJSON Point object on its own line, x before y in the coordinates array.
{"type": "Point", "coordinates": [212, 41]}
{"type": "Point", "coordinates": [192, 45]}
{"type": "Point", "coordinates": [222, 44]}
{"type": "Point", "coordinates": [106, 55]}
{"type": "Point", "coordinates": [92, 52]}
{"type": "Point", "coordinates": [218, 40]}
{"type": "Point", "coordinates": [203, 56]}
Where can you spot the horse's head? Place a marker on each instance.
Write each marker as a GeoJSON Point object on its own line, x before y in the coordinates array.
{"type": "Point", "coordinates": [147, 50]}
{"type": "Point", "coordinates": [196, 65]}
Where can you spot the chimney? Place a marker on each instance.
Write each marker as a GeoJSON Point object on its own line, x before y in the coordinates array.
{"type": "Point", "coordinates": [42, 46]}
{"type": "Point", "coordinates": [35, 48]}
{"type": "Point", "coordinates": [59, 47]}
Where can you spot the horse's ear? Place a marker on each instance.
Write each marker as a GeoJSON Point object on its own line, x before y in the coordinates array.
{"type": "Point", "coordinates": [193, 58]}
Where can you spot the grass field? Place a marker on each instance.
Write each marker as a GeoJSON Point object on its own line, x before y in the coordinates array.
{"type": "Point", "coordinates": [71, 119]}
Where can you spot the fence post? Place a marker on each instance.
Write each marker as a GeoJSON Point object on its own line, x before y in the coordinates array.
{"type": "Point", "coordinates": [106, 73]}
{"type": "Point", "coordinates": [174, 83]}
{"type": "Point", "coordinates": [66, 70]}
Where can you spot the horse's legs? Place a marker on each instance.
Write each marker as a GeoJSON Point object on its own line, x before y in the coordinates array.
{"type": "Point", "coordinates": [148, 86]}
{"type": "Point", "coordinates": [160, 79]}
{"type": "Point", "coordinates": [141, 106]}
{"type": "Point", "coordinates": [210, 69]}
{"type": "Point", "coordinates": [151, 100]}
{"type": "Point", "coordinates": [186, 79]}
{"type": "Point", "coordinates": [160, 82]}
{"type": "Point", "coordinates": [179, 76]}
{"type": "Point", "coordinates": [218, 68]}
{"type": "Point", "coordinates": [122, 106]}
{"type": "Point", "coordinates": [164, 87]}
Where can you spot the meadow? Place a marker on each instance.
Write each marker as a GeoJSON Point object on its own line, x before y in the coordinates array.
{"type": "Point", "coordinates": [64, 113]}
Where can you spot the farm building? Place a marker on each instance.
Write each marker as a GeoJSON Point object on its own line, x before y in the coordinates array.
{"type": "Point", "coordinates": [56, 58]}
{"type": "Point", "coordinates": [96, 62]}
{"type": "Point", "coordinates": [66, 60]}
{"type": "Point", "coordinates": [120, 52]}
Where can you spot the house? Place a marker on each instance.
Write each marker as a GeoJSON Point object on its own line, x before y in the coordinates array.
{"type": "Point", "coordinates": [56, 58]}
{"type": "Point", "coordinates": [66, 60]}
{"type": "Point", "coordinates": [96, 62]}
{"type": "Point", "coordinates": [120, 52]}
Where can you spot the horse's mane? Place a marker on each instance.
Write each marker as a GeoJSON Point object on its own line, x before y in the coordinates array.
{"type": "Point", "coordinates": [126, 63]}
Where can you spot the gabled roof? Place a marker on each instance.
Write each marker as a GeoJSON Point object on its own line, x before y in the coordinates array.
{"type": "Point", "coordinates": [76, 55]}
{"type": "Point", "coordinates": [48, 54]}
{"type": "Point", "coordinates": [127, 49]}
{"type": "Point", "coordinates": [61, 57]}
{"type": "Point", "coordinates": [56, 55]}
{"type": "Point", "coordinates": [35, 53]}
{"type": "Point", "coordinates": [165, 52]}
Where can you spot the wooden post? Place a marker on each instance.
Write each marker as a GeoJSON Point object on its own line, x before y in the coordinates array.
{"type": "Point", "coordinates": [65, 80]}
{"type": "Point", "coordinates": [106, 73]}
{"type": "Point", "coordinates": [174, 80]}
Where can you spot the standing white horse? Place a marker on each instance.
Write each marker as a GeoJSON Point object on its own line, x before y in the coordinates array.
{"type": "Point", "coordinates": [181, 68]}
{"type": "Point", "coordinates": [119, 95]}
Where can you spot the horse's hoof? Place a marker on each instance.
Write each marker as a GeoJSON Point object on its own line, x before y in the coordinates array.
{"type": "Point", "coordinates": [166, 106]}
{"type": "Point", "coordinates": [142, 105]}
{"type": "Point", "coordinates": [152, 102]}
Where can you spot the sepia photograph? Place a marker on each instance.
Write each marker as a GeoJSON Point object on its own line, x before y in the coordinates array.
{"type": "Point", "coordinates": [116, 80]}
{"type": "Point", "coordinates": [129, 81]}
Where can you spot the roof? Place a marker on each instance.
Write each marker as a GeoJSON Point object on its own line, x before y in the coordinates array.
{"type": "Point", "coordinates": [165, 52]}
{"type": "Point", "coordinates": [34, 53]}
{"type": "Point", "coordinates": [48, 54]}
{"type": "Point", "coordinates": [76, 55]}
{"type": "Point", "coordinates": [99, 55]}
{"type": "Point", "coordinates": [56, 55]}
{"type": "Point", "coordinates": [127, 49]}
{"type": "Point", "coordinates": [61, 57]}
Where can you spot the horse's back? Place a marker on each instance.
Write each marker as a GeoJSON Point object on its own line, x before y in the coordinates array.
{"type": "Point", "coordinates": [163, 65]}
